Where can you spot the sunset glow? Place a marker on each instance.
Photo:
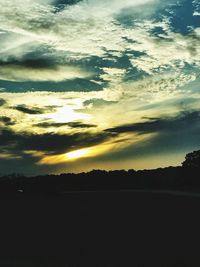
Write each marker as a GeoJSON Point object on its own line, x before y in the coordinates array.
{"type": "Point", "coordinates": [78, 154]}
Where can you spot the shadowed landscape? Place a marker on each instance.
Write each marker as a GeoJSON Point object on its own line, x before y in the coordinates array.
{"type": "Point", "coordinates": [99, 104]}
{"type": "Point", "coordinates": [143, 217]}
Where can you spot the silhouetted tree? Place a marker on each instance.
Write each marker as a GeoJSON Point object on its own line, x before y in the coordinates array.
{"type": "Point", "coordinates": [192, 159]}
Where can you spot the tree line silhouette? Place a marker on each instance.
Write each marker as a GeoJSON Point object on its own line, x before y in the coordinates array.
{"type": "Point", "coordinates": [40, 223]}
{"type": "Point", "coordinates": [182, 178]}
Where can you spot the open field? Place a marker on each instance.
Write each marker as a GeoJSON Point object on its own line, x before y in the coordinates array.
{"type": "Point", "coordinates": [142, 227]}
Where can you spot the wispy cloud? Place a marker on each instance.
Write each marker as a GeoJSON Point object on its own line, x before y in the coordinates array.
{"type": "Point", "coordinates": [69, 70]}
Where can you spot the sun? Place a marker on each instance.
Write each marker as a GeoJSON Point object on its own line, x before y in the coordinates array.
{"type": "Point", "coordinates": [76, 154]}
{"type": "Point", "coordinates": [67, 114]}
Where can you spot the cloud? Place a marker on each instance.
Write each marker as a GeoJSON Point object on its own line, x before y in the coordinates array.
{"type": "Point", "coordinates": [50, 142]}
{"type": "Point", "coordinates": [99, 63]}
{"type": "Point", "coordinates": [78, 29]}
{"type": "Point", "coordinates": [178, 134]}
{"type": "Point", "coordinates": [6, 121]}
{"type": "Point", "coordinates": [27, 110]}
{"type": "Point", "coordinates": [69, 124]}
{"type": "Point", "coordinates": [97, 102]}
{"type": "Point", "coordinates": [32, 62]}
{"type": "Point", "coordinates": [2, 102]}
{"type": "Point", "coordinates": [168, 124]}
{"type": "Point", "coordinates": [81, 125]}
{"type": "Point", "coordinates": [51, 124]}
{"type": "Point", "coordinates": [78, 33]}
{"type": "Point", "coordinates": [62, 4]}
{"type": "Point", "coordinates": [40, 70]}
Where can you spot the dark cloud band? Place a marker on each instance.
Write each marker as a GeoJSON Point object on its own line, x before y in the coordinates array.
{"type": "Point", "coordinates": [160, 124]}
{"type": "Point", "coordinates": [51, 142]}
{"type": "Point", "coordinates": [27, 110]}
{"type": "Point", "coordinates": [69, 124]}
{"type": "Point", "coordinates": [2, 102]}
{"type": "Point", "coordinates": [6, 121]}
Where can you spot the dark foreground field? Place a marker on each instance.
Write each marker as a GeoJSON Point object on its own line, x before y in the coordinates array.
{"type": "Point", "coordinates": [142, 228]}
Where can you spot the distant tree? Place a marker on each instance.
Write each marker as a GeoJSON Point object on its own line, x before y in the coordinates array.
{"type": "Point", "coordinates": [192, 159]}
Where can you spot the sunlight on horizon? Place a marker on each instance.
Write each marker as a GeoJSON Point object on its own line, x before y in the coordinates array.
{"type": "Point", "coordinates": [76, 154]}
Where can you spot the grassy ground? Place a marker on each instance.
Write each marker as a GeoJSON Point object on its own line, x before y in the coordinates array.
{"type": "Point", "coordinates": [146, 229]}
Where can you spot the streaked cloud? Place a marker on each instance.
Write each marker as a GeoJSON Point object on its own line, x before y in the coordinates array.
{"type": "Point", "coordinates": [16, 73]}
{"type": "Point", "coordinates": [24, 109]}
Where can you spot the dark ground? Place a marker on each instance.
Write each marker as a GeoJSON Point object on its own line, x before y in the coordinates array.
{"type": "Point", "coordinates": [128, 228]}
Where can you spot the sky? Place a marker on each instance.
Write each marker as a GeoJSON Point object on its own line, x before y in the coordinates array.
{"type": "Point", "coordinates": [98, 84]}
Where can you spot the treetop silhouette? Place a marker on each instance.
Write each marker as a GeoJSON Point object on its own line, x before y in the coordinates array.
{"type": "Point", "coordinates": [192, 160]}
